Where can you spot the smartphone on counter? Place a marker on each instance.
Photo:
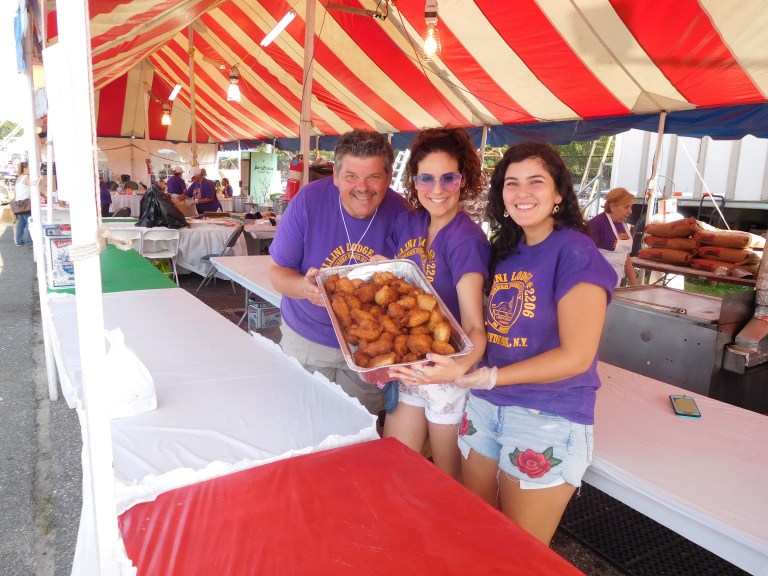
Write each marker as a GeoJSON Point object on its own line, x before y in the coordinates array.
{"type": "Point", "coordinates": [684, 406]}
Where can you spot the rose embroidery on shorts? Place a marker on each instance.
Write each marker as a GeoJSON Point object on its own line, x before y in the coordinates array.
{"type": "Point", "coordinates": [534, 464]}
{"type": "Point", "coordinates": [466, 428]}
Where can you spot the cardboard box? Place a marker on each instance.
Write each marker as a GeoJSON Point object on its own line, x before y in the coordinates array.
{"type": "Point", "coordinates": [60, 269]}
{"type": "Point", "coordinates": [262, 314]}
{"type": "Point", "coordinates": [57, 230]}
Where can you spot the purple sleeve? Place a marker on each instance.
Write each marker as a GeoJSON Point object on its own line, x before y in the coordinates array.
{"type": "Point", "coordinates": [287, 249]}
{"type": "Point", "coordinates": [601, 233]}
{"type": "Point", "coordinates": [579, 261]}
{"type": "Point", "coordinates": [472, 254]}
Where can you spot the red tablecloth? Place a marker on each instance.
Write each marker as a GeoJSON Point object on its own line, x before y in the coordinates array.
{"type": "Point", "coordinates": [367, 509]}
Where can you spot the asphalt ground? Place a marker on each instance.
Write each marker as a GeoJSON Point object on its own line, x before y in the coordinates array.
{"type": "Point", "coordinates": [40, 442]}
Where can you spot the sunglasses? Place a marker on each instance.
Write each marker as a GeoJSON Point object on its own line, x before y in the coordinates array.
{"type": "Point", "coordinates": [449, 182]}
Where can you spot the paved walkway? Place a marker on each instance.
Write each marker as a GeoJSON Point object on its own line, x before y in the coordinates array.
{"type": "Point", "coordinates": [40, 492]}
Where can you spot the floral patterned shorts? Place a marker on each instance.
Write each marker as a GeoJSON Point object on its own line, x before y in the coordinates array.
{"type": "Point", "coordinates": [538, 448]}
{"type": "Point", "coordinates": [442, 403]}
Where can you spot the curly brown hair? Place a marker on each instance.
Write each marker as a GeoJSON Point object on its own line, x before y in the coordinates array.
{"type": "Point", "coordinates": [456, 143]}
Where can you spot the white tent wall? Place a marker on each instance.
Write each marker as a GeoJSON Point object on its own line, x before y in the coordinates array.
{"type": "Point", "coordinates": [128, 156]}
{"type": "Point", "coordinates": [734, 168]}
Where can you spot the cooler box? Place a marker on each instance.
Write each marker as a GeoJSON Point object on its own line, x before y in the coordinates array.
{"type": "Point", "coordinates": [262, 314]}
{"type": "Point", "coordinates": [60, 271]}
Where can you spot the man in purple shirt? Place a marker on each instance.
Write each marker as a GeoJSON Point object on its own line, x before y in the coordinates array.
{"type": "Point", "coordinates": [206, 201]}
{"type": "Point", "coordinates": [176, 185]}
{"type": "Point", "coordinates": [335, 221]}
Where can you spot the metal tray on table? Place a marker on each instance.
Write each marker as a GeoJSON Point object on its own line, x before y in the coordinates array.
{"type": "Point", "coordinates": [409, 271]}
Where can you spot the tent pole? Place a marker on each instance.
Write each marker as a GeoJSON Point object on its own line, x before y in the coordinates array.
{"type": "Point", "coordinates": [650, 189]}
{"type": "Point", "coordinates": [80, 173]}
{"type": "Point", "coordinates": [305, 125]}
{"type": "Point", "coordinates": [146, 125]}
{"type": "Point", "coordinates": [33, 147]}
{"type": "Point", "coordinates": [191, 52]}
{"type": "Point", "coordinates": [483, 140]}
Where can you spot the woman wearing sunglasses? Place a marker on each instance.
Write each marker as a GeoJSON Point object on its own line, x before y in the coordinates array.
{"type": "Point", "coordinates": [443, 171]}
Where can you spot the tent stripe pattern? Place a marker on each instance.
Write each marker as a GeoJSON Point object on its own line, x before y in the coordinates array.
{"type": "Point", "coordinates": [501, 64]}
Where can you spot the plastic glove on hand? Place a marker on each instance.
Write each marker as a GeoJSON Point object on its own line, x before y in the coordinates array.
{"type": "Point", "coordinates": [481, 379]}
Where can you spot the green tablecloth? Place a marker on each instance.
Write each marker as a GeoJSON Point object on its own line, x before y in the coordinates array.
{"type": "Point", "coordinates": [126, 270]}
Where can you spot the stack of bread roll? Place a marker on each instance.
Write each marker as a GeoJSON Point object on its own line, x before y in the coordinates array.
{"type": "Point", "coordinates": [690, 242]}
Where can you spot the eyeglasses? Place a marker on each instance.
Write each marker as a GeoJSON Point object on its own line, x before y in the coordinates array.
{"type": "Point", "coordinates": [449, 182]}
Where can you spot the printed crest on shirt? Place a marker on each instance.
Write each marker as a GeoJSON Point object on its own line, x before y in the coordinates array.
{"type": "Point", "coordinates": [415, 247]}
{"type": "Point", "coordinates": [511, 296]}
{"type": "Point", "coordinates": [343, 253]}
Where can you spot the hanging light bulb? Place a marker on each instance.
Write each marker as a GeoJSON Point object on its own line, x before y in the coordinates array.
{"type": "Point", "coordinates": [166, 119]}
{"type": "Point", "coordinates": [431, 43]}
{"type": "Point", "coordinates": [233, 92]}
{"type": "Point", "coordinates": [432, 37]}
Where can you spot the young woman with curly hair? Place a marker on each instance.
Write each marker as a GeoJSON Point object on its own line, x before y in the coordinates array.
{"type": "Point", "coordinates": [443, 171]}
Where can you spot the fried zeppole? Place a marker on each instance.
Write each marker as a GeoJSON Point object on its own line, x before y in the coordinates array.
{"type": "Point", "coordinates": [389, 320]}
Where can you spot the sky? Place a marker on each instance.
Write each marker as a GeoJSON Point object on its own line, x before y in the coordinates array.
{"type": "Point", "coordinates": [13, 95]}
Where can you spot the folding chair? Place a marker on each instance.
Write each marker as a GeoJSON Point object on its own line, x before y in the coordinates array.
{"type": "Point", "coordinates": [228, 250]}
{"type": "Point", "coordinates": [124, 212]}
{"type": "Point", "coordinates": [135, 236]}
{"type": "Point", "coordinates": [159, 243]}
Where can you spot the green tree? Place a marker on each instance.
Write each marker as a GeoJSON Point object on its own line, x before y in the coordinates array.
{"type": "Point", "coordinates": [6, 127]}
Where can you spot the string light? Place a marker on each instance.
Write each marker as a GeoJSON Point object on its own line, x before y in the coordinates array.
{"type": "Point", "coordinates": [432, 37]}
{"type": "Point", "coordinates": [166, 119]}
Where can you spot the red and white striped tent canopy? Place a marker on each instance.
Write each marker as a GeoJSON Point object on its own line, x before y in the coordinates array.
{"type": "Point", "coordinates": [518, 64]}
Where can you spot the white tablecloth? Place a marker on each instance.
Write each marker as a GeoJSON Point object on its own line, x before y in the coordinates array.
{"type": "Point", "coordinates": [703, 478]}
{"type": "Point", "coordinates": [201, 238]}
{"type": "Point", "coordinates": [251, 273]}
{"type": "Point", "coordinates": [226, 401]}
{"type": "Point", "coordinates": [123, 200]}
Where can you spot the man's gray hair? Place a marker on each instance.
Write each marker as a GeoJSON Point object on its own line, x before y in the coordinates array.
{"type": "Point", "coordinates": [364, 144]}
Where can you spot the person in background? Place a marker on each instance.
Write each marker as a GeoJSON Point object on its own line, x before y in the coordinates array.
{"type": "Point", "coordinates": [226, 187]}
{"type": "Point", "coordinates": [104, 197]}
{"type": "Point", "coordinates": [613, 235]}
{"type": "Point", "coordinates": [127, 184]}
{"type": "Point", "coordinates": [339, 220]}
{"type": "Point", "coordinates": [162, 185]}
{"type": "Point", "coordinates": [176, 184]}
{"type": "Point", "coordinates": [23, 193]}
{"type": "Point", "coordinates": [443, 171]}
{"type": "Point", "coordinates": [206, 199]}
{"type": "Point", "coordinates": [526, 435]}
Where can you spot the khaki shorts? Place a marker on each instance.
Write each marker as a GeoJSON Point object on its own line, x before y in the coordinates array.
{"type": "Point", "coordinates": [331, 364]}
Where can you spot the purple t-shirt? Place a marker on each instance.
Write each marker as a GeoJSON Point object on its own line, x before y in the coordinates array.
{"type": "Point", "coordinates": [459, 248]}
{"type": "Point", "coordinates": [312, 234]}
{"type": "Point", "coordinates": [521, 320]}
{"type": "Point", "coordinates": [176, 185]}
{"type": "Point", "coordinates": [104, 195]}
{"type": "Point", "coordinates": [601, 232]}
{"type": "Point", "coordinates": [207, 190]}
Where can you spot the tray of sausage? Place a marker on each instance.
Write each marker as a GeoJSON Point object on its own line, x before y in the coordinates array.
{"type": "Point", "coordinates": [387, 314]}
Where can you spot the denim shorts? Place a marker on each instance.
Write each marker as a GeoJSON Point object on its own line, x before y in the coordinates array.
{"type": "Point", "coordinates": [538, 448]}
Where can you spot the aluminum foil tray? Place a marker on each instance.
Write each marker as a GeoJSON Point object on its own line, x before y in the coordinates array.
{"type": "Point", "coordinates": [408, 271]}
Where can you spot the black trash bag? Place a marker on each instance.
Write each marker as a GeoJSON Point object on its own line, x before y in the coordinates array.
{"type": "Point", "coordinates": [156, 209]}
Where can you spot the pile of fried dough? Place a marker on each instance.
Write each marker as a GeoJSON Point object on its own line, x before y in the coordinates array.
{"type": "Point", "coordinates": [389, 320]}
